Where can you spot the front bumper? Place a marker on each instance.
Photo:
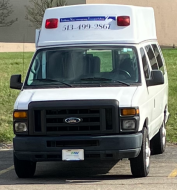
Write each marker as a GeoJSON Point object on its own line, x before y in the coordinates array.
{"type": "Point", "coordinates": [112, 147]}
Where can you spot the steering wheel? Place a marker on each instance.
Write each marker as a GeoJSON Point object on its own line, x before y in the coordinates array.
{"type": "Point", "coordinates": [124, 72]}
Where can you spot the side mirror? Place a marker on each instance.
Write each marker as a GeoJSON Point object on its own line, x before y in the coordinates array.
{"type": "Point", "coordinates": [157, 78]}
{"type": "Point", "coordinates": [15, 82]}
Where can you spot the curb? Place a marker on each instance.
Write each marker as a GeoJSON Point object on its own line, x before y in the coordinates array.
{"type": "Point", "coordinates": [6, 146]}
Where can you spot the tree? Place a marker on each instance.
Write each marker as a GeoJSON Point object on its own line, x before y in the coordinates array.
{"type": "Point", "coordinates": [5, 11]}
{"type": "Point", "coordinates": [35, 12]}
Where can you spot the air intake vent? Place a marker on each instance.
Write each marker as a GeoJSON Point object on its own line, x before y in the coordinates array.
{"type": "Point", "coordinates": [80, 143]}
{"type": "Point", "coordinates": [109, 119]}
{"type": "Point", "coordinates": [37, 120]}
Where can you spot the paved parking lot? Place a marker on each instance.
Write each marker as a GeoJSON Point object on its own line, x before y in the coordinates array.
{"type": "Point", "coordinates": [92, 176]}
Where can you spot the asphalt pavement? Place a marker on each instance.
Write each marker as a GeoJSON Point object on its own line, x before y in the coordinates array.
{"type": "Point", "coordinates": [92, 176]}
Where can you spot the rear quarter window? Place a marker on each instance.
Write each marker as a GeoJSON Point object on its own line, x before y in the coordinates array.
{"type": "Point", "coordinates": [158, 57]}
{"type": "Point", "coordinates": [151, 57]}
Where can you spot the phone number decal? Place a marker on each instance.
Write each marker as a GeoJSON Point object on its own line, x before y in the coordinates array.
{"type": "Point", "coordinates": [71, 27]}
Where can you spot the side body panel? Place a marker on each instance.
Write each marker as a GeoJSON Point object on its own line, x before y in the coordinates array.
{"type": "Point", "coordinates": [152, 100]}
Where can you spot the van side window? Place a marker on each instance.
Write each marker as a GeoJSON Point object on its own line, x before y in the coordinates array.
{"type": "Point", "coordinates": [158, 57]}
{"type": "Point", "coordinates": [145, 64]}
{"type": "Point", "coordinates": [152, 58]}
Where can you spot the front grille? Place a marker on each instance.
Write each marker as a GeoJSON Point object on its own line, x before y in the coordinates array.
{"type": "Point", "coordinates": [55, 120]}
{"type": "Point", "coordinates": [37, 120]}
{"type": "Point", "coordinates": [97, 117]}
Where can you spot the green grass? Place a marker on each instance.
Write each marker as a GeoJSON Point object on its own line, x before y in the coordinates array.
{"type": "Point", "coordinates": [12, 63]}
{"type": "Point", "coordinates": [171, 62]}
{"type": "Point", "coordinates": [106, 60]}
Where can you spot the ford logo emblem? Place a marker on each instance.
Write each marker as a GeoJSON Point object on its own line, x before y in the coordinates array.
{"type": "Point", "coordinates": [73, 120]}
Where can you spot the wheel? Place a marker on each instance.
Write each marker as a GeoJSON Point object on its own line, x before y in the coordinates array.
{"type": "Point", "coordinates": [125, 72]}
{"type": "Point", "coordinates": [158, 143]}
{"type": "Point", "coordinates": [24, 169]}
{"type": "Point", "coordinates": [141, 164]}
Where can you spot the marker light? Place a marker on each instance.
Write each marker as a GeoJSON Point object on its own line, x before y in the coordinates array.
{"type": "Point", "coordinates": [51, 23]}
{"type": "Point", "coordinates": [123, 21]}
{"type": "Point", "coordinates": [20, 114]}
{"type": "Point", "coordinates": [129, 111]}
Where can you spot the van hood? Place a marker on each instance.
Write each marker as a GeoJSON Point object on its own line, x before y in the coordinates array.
{"type": "Point", "coordinates": [123, 94]}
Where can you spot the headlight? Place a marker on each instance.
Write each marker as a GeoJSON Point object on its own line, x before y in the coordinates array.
{"type": "Point", "coordinates": [21, 127]}
{"type": "Point", "coordinates": [128, 125]}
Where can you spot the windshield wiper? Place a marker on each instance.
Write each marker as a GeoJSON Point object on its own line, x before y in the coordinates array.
{"type": "Point", "coordinates": [52, 80]}
{"type": "Point", "coordinates": [95, 79]}
{"type": "Point", "coordinates": [103, 79]}
{"type": "Point", "coordinates": [121, 82]}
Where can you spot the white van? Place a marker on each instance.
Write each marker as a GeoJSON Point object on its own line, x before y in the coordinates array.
{"type": "Point", "coordinates": [96, 89]}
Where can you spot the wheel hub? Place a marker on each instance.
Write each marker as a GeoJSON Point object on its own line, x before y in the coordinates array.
{"type": "Point", "coordinates": [163, 135]}
{"type": "Point", "coordinates": [148, 153]}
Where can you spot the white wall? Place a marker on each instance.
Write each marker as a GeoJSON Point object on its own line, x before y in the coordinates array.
{"type": "Point", "coordinates": [165, 13]}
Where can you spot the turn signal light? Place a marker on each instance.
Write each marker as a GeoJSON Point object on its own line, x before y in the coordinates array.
{"type": "Point", "coordinates": [20, 114]}
{"type": "Point", "coordinates": [51, 23]}
{"type": "Point", "coordinates": [129, 111]}
{"type": "Point", "coordinates": [123, 21]}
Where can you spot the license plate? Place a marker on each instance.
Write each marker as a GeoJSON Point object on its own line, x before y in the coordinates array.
{"type": "Point", "coordinates": [73, 155]}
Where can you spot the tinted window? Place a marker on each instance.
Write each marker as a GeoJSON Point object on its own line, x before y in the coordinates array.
{"type": "Point", "coordinates": [105, 59]}
{"type": "Point", "coordinates": [158, 57]}
{"type": "Point", "coordinates": [151, 57]}
{"type": "Point", "coordinates": [145, 64]}
{"type": "Point", "coordinates": [84, 65]}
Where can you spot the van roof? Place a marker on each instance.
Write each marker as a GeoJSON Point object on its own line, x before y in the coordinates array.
{"type": "Point", "coordinates": [97, 23]}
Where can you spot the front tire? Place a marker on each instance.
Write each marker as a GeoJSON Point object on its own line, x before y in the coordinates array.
{"type": "Point", "coordinates": [141, 164]}
{"type": "Point", "coordinates": [158, 143]}
{"type": "Point", "coordinates": [23, 168]}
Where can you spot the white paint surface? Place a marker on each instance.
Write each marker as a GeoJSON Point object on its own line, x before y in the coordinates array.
{"type": "Point", "coordinates": [123, 94]}
{"type": "Point", "coordinates": [142, 25]}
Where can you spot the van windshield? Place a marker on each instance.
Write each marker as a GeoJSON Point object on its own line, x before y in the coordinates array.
{"type": "Point", "coordinates": [84, 66]}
